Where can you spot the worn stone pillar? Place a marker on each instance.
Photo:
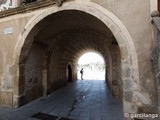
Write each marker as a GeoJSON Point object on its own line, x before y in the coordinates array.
{"type": "Point", "coordinates": [156, 53]}
{"type": "Point", "coordinates": [158, 89]}
{"type": "Point", "coordinates": [45, 82]}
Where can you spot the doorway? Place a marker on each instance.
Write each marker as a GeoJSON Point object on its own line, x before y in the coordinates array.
{"type": "Point", "coordinates": [69, 73]}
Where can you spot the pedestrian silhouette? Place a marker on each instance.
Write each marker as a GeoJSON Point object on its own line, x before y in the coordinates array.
{"type": "Point", "coordinates": [81, 71]}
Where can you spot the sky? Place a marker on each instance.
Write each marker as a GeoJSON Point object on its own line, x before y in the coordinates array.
{"type": "Point", "coordinates": [90, 57]}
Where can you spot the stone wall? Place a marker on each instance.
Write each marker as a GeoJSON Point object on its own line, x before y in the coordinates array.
{"type": "Point", "coordinates": [137, 21]}
{"type": "Point", "coordinates": [158, 90]}
{"type": "Point", "coordinates": [34, 73]}
{"type": "Point", "coordinates": [9, 32]}
{"type": "Point", "coordinates": [57, 71]}
{"type": "Point", "coordinates": [156, 52]}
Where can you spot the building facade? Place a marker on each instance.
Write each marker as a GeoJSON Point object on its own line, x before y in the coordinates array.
{"type": "Point", "coordinates": [40, 39]}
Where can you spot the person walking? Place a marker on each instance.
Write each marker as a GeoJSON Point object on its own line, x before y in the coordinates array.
{"type": "Point", "coordinates": [81, 71]}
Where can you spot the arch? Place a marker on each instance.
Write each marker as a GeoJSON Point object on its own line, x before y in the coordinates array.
{"type": "Point", "coordinates": [107, 61]}
{"type": "Point", "coordinates": [95, 53]}
{"type": "Point", "coordinates": [128, 52]}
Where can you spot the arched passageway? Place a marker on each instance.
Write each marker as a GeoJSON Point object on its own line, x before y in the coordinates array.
{"type": "Point", "coordinates": [58, 43]}
{"type": "Point", "coordinates": [59, 38]}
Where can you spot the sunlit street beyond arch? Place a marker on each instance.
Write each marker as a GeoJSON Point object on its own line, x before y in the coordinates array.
{"type": "Point", "coordinates": [93, 65]}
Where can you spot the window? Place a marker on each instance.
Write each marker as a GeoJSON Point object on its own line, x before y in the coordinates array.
{"type": "Point", "coordinates": [28, 1]}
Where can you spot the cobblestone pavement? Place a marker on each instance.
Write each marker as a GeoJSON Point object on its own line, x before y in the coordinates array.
{"type": "Point", "coordinates": [80, 100]}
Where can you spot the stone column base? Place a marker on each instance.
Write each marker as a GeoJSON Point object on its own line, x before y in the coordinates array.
{"type": "Point", "coordinates": [19, 101]}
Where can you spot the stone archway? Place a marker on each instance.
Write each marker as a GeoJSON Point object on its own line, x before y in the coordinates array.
{"type": "Point", "coordinates": [129, 62]}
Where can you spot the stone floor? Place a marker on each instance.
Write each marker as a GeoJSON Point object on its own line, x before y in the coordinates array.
{"type": "Point", "coordinates": [80, 100]}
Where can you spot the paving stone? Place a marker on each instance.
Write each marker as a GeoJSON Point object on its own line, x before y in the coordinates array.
{"type": "Point", "coordinates": [98, 104]}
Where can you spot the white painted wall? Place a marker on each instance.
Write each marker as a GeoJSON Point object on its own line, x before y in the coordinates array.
{"type": "Point", "coordinates": [153, 5]}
